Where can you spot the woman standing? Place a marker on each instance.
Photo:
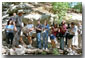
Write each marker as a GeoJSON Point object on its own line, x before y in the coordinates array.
{"type": "Point", "coordinates": [10, 28]}
{"type": "Point", "coordinates": [74, 30]}
{"type": "Point", "coordinates": [62, 34]}
{"type": "Point", "coordinates": [53, 35]}
{"type": "Point", "coordinates": [45, 35]}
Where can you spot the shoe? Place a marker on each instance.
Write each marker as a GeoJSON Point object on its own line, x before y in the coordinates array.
{"type": "Point", "coordinates": [70, 49]}
{"type": "Point", "coordinates": [67, 49]}
{"type": "Point", "coordinates": [29, 46]}
{"type": "Point", "coordinates": [43, 48]}
{"type": "Point", "coordinates": [46, 49]}
{"type": "Point", "coordinates": [73, 52]}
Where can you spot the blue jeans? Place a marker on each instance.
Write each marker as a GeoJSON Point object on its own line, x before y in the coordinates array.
{"type": "Point", "coordinates": [62, 43]}
{"type": "Point", "coordinates": [39, 40]}
{"type": "Point", "coordinates": [45, 40]}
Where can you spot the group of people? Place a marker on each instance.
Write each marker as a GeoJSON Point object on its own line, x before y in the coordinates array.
{"type": "Point", "coordinates": [68, 35]}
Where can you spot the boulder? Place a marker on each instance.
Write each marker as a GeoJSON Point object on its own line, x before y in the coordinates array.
{"type": "Point", "coordinates": [20, 51]}
{"type": "Point", "coordinates": [12, 51]}
{"type": "Point", "coordinates": [3, 51]}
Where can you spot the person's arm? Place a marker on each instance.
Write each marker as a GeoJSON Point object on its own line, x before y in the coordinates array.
{"type": "Point", "coordinates": [14, 23]}
{"type": "Point", "coordinates": [31, 29]}
{"type": "Point", "coordinates": [58, 29]}
{"type": "Point", "coordinates": [38, 28]}
{"type": "Point", "coordinates": [47, 27]}
{"type": "Point", "coordinates": [15, 29]}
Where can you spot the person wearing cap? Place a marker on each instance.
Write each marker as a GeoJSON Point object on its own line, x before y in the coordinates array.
{"type": "Point", "coordinates": [19, 26]}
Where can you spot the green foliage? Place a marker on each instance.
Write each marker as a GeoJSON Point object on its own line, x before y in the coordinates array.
{"type": "Point", "coordinates": [43, 53]}
{"type": "Point", "coordinates": [78, 7]}
{"type": "Point", "coordinates": [60, 8]}
{"type": "Point", "coordinates": [55, 51]}
{"type": "Point", "coordinates": [49, 45]}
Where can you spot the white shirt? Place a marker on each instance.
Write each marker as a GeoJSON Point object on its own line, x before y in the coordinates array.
{"type": "Point", "coordinates": [75, 30]}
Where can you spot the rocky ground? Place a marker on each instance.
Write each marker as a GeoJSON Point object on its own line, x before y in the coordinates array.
{"type": "Point", "coordinates": [24, 50]}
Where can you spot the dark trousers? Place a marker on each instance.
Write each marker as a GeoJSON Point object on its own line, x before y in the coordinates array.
{"type": "Point", "coordinates": [10, 36]}
{"type": "Point", "coordinates": [66, 41]}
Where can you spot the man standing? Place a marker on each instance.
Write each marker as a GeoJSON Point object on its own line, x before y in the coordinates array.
{"type": "Point", "coordinates": [19, 26]}
{"type": "Point", "coordinates": [79, 34]}
{"type": "Point", "coordinates": [38, 31]}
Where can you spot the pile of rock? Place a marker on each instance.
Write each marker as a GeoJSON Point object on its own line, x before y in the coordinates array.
{"type": "Point", "coordinates": [22, 51]}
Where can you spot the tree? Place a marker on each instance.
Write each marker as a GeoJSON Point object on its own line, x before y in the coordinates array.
{"type": "Point", "coordinates": [78, 7]}
{"type": "Point", "coordinates": [60, 8]}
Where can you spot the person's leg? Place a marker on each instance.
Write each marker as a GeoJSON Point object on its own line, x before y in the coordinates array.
{"type": "Point", "coordinates": [66, 41]}
{"type": "Point", "coordinates": [62, 43]}
{"type": "Point", "coordinates": [18, 36]}
{"type": "Point", "coordinates": [7, 35]}
{"type": "Point", "coordinates": [69, 43]}
{"type": "Point", "coordinates": [11, 36]}
{"type": "Point", "coordinates": [73, 43]}
{"type": "Point", "coordinates": [76, 41]}
{"type": "Point", "coordinates": [16, 39]}
{"type": "Point", "coordinates": [8, 40]}
{"type": "Point", "coordinates": [52, 43]}
{"type": "Point", "coordinates": [30, 40]}
{"type": "Point", "coordinates": [44, 40]}
{"type": "Point", "coordinates": [21, 40]}
{"type": "Point", "coordinates": [79, 40]}
{"type": "Point", "coordinates": [39, 40]}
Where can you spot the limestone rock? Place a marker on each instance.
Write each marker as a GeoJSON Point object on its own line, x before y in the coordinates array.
{"type": "Point", "coordinates": [12, 52]}
{"type": "Point", "coordinates": [20, 51]}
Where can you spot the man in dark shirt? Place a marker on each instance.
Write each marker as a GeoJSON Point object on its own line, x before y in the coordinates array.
{"type": "Point", "coordinates": [38, 31]}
